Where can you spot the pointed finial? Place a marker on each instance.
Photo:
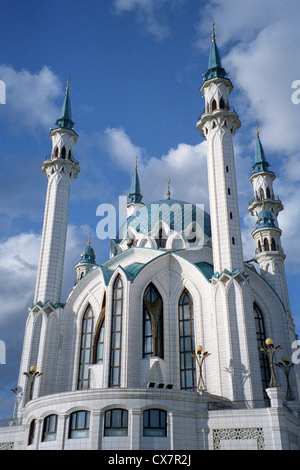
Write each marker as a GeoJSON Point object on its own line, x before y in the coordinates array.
{"type": "Point", "coordinates": [89, 240]}
{"type": "Point", "coordinates": [213, 32]}
{"type": "Point", "coordinates": [257, 133]}
{"type": "Point", "coordinates": [169, 192]}
{"type": "Point", "coordinates": [68, 85]}
{"type": "Point", "coordinates": [136, 159]}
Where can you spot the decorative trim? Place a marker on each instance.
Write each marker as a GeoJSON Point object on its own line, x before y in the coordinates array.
{"type": "Point", "coordinates": [238, 433]}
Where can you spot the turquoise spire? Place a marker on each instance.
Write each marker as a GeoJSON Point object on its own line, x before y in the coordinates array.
{"type": "Point", "coordinates": [215, 68]}
{"type": "Point", "coordinates": [261, 163]}
{"type": "Point", "coordinates": [88, 256]}
{"type": "Point", "coordinates": [65, 120]}
{"type": "Point", "coordinates": [135, 195]}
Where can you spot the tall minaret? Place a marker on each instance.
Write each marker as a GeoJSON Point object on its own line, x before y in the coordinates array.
{"type": "Point", "coordinates": [217, 124]}
{"type": "Point", "coordinates": [265, 207]}
{"type": "Point", "coordinates": [60, 169]}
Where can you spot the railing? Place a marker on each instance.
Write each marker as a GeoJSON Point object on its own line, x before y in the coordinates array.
{"type": "Point", "coordinates": [8, 422]}
{"type": "Point", "coordinates": [259, 200]}
{"type": "Point", "coordinates": [238, 405]}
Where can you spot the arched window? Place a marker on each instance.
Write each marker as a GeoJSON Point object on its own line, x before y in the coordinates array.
{"type": "Point", "coordinates": [116, 422]}
{"type": "Point", "coordinates": [56, 152]}
{"type": "Point", "coordinates": [79, 424]}
{"type": "Point", "coordinates": [63, 152]}
{"type": "Point", "coordinates": [49, 428]}
{"type": "Point", "coordinates": [261, 194]}
{"type": "Point", "coordinates": [31, 432]}
{"type": "Point", "coordinates": [222, 104]}
{"type": "Point", "coordinates": [213, 105]}
{"type": "Point", "coordinates": [273, 245]}
{"type": "Point", "coordinates": [153, 323]}
{"type": "Point", "coordinates": [155, 423]}
{"type": "Point", "coordinates": [161, 240]}
{"type": "Point", "coordinates": [268, 193]}
{"type": "Point", "coordinates": [116, 334]}
{"type": "Point", "coordinates": [261, 338]}
{"type": "Point", "coordinates": [99, 336]}
{"type": "Point", "coordinates": [186, 341]}
{"type": "Point", "coordinates": [259, 246]}
{"type": "Point", "coordinates": [266, 245]}
{"type": "Point", "coordinates": [70, 155]}
{"type": "Point", "coordinates": [86, 349]}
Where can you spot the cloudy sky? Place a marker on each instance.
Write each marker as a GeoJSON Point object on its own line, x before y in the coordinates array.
{"type": "Point", "coordinates": [136, 67]}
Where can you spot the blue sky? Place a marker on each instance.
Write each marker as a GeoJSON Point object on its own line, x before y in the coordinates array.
{"type": "Point", "coordinates": [136, 68]}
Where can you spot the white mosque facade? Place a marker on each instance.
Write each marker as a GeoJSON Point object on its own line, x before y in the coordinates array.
{"type": "Point", "coordinates": [160, 347]}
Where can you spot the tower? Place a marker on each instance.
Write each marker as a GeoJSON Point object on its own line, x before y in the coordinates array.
{"type": "Point", "coordinates": [218, 124]}
{"type": "Point", "coordinates": [60, 169]}
{"type": "Point", "coordinates": [88, 260]}
{"type": "Point", "coordinates": [266, 206]}
{"type": "Point", "coordinates": [135, 196]}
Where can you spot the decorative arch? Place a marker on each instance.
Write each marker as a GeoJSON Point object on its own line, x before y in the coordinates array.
{"type": "Point", "coordinates": [152, 322]}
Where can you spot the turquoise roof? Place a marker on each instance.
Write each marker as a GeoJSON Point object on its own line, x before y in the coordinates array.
{"type": "Point", "coordinates": [206, 269]}
{"type": "Point", "coordinates": [261, 163]}
{"type": "Point", "coordinates": [176, 213]}
{"type": "Point", "coordinates": [215, 68]}
{"type": "Point", "coordinates": [265, 220]}
{"type": "Point", "coordinates": [135, 195]}
{"type": "Point", "coordinates": [88, 256]}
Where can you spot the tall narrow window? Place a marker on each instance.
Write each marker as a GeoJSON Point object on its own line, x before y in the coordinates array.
{"type": "Point", "coordinates": [99, 336]}
{"type": "Point", "coordinates": [161, 240]}
{"type": "Point", "coordinates": [213, 105]}
{"type": "Point", "coordinates": [186, 342]}
{"type": "Point", "coordinates": [266, 245]}
{"type": "Point", "coordinates": [116, 334]}
{"type": "Point", "coordinates": [86, 348]}
{"type": "Point", "coordinates": [153, 323]}
{"type": "Point", "coordinates": [63, 152]}
{"type": "Point", "coordinates": [261, 337]}
{"type": "Point", "coordinates": [273, 245]}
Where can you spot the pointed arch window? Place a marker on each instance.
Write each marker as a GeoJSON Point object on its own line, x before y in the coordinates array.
{"type": "Point", "coordinates": [152, 323]}
{"type": "Point", "coordinates": [261, 338]}
{"type": "Point", "coordinates": [63, 152]}
{"type": "Point", "coordinates": [99, 335]}
{"type": "Point", "coordinates": [222, 105]}
{"type": "Point", "coordinates": [116, 334]}
{"type": "Point", "coordinates": [161, 240]}
{"type": "Point", "coordinates": [213, 105]}
{"type": "Point", "coordinates": [86, 349]}
{"type": "Point", "coordinates": [266, 245]}
{"type": "Point", "coordinates": [186, 341]}
{"type": "Point", "coordinates": [273, 245]}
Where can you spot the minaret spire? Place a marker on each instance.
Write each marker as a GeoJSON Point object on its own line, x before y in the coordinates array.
{"type": "Point", "coordinates": [60, 169]}
{"type": "Point", "coordinates": [135, 196]}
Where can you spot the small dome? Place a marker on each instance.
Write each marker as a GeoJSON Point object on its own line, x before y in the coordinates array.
{"type": "Point", "coordinates": [88, 256]}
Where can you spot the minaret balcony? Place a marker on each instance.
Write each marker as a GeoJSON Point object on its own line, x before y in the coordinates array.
{"type": "Point", "coordinates": [267, 202]}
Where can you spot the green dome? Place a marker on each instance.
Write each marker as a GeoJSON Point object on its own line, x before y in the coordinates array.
{"type": "Point", "coordinates": [265, 219]}
{"type": "Point", "coordinates": [88, 256]}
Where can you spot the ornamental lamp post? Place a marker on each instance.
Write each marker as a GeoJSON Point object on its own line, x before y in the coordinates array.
{"type": "Point", "coordinates": [286, 366]}
{"type": "Point", "coordinates": [270, 351]}
{"type": "Point", "coordinates": [199, 356]}
{"type": "Point", "coordinates": [32, 375]}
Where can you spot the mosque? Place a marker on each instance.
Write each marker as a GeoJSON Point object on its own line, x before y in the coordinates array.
{"type": "Point", "coordinates": [172, 343]}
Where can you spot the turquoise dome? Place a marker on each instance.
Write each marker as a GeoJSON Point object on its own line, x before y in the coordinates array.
{"type": "Point", "coordinates": [88, 256]}
{"type": "Point", "coordinates": [176, 213]}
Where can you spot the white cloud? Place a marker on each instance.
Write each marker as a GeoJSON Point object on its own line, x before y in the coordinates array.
{"type": "Point", "coordinates": [30, 97]}
{"type": "Point", "coordinates": [149, 14]}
